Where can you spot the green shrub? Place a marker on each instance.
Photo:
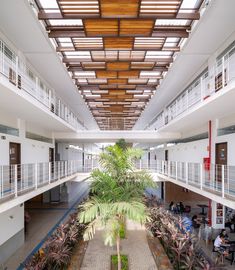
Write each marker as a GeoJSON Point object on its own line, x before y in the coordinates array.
{"type": "Point", "coordinates": [124, 260]}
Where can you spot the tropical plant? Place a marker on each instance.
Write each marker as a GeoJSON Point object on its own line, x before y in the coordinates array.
{"type": "Point", "coordinates": [117, 195]}
{"type": "Point", "coordinates": [180, 245]}
{"type": "Point", "coordinates": [57, 250]}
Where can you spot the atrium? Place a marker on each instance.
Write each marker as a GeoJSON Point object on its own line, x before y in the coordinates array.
{"type": "Point", "coordinates": [127, 105]}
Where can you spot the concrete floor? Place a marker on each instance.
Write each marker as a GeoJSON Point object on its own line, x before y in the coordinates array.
{"type": "Point", "coordinates": [43, 217]}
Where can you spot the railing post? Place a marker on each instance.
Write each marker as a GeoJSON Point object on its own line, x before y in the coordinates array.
{"type": "Point", "coordinates": [201, 176]}
{"type": "Point", "coordinates": [201, 88]}
{"type": "Point", "coordinates": [168, 168]}
{"type": "Point", "coordinates": [36, 175]}
{"type": "Point", "coordinates": [92, 165]}
{"type": "Point", "coordinates": [66, 168]}
{"type": "Point", "coordinates": [186, 172]}
{"type": "Point", "coordinates": [162, 168]}
{"type": "Point", "coordinates": [15, 180]}
{"type": "Point", "coordinates": [176, 170]}
{"type": "Point", "coordinates": [140, 164]}
{"type": "Point", "coordinates": [49, 172]}
{"type": "Point", "coordinates": [58, 170]}
{"type": "Point", "coordinates": [1, 190]}
{"type": "Point", "coordinates": [223, 73]}
{"type": "Point", "coordinates": [223, 181]}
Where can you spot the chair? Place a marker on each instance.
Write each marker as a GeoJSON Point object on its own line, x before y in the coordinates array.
{"type": "Point", "coordinates": [219, 255]}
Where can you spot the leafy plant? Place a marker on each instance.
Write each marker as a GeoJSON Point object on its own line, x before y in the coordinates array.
{"type": "Point", "coordinates": [117, 194]}
{"type": "Point", "coordinates": [57, 250]}
{"type": "Point", "coordinates": [124, 261]}
{"type": "Point", "coordinates": [180, 245]}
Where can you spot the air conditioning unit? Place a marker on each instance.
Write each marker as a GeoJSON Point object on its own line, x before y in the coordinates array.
{"type": "Point", "coordinates": [12, 76]}
{"type": "Point", "coordinates": [19, 82]}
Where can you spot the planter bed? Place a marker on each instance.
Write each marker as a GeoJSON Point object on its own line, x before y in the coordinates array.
{"type": "Point", "coordinates": [114, 262]}
{"type": "Point", "coordinates": [160, 257]}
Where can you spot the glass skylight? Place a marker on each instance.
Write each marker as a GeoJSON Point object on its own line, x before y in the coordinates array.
{"type": "Point", "coordinates": [66, 22]}
{"type": "Point", "coordinates": [163, 22]}
{"type": "Point", "coordinates": [189, 4]}
{"type": "Point", "coordinates": [49, 4]}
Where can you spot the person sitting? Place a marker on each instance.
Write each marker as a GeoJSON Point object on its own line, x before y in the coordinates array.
{"type": "Point", "coordinates": [187, 224]}
{"type": "Point", "coordinates": [224, 233]}
{"type": "Point", "coordinates": [170, 205]}
{"type": "Point", "coordinates": [196, 224]}
{"type": "Point", "coordinates": [181, 207]}
{"type": "Point", "coordinates": [219, 245]}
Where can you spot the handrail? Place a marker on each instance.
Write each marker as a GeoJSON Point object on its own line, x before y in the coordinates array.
{"type": "Point", "coordinates": [216, 178]}
{"type": "Point", "coordinates": [206, 85]}
{"type": "Point", "coordinates": [21, 178]}
{"type": "Point", "coordinates": [16, 180]}
{"type": "Point", "coordinates": [19, 73]}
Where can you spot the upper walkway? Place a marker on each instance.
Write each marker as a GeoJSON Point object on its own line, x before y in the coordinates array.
{"type": "Point", "coordinates": [19, 183]}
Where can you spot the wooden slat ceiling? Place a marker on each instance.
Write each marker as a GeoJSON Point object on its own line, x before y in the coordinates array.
{"type": "Point", "coordinates": [117, 51]}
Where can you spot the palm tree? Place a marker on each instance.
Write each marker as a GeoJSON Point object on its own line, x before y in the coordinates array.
{"type": "Point", "coordinates": [117, 195]}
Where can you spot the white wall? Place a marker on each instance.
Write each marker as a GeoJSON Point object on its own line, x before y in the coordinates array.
{"type": "Point", "coordinates": [32, 151]}
{"type": "Point", "coordinates": [195, 151]}
{"type": "Point", "coordinates": [12, 221]}
{"type": "Point", "coordinates": [190, 152]}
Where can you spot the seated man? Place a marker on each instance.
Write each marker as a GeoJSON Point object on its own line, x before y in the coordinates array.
{"type": "Point", "coordinates": [219, 245]}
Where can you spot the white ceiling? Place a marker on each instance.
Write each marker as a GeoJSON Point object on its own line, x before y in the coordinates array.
{"type": "Point", "coordinates": [215, 26]}
{"type": "Point", "coordinates": [22, 28]}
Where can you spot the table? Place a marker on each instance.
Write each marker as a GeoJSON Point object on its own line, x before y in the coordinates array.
{"type": "Point", "coordinates": [202, 206]}
{"type": "Point", "coordinates": [232, 251]}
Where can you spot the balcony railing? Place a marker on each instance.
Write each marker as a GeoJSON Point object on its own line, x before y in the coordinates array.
{"type": "Point", "coordinates": [206, 85]}
{"type": "Point", "coordinates": [218, 179]}
{"type": "Point", "coordinates": [16, 180]}
{"type": "Point", "coordinates": [18, 72]}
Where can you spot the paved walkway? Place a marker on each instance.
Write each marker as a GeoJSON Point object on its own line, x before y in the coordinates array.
{"type": "Point", "coordinates": [97, 256]}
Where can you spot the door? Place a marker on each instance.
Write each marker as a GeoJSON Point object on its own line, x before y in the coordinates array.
{"type": "Point", "coordinates": [51, 159]}
{"type": "Point", "coordinates": [166, 155]}
{"type": "Point", "coordinates": [220, 159]}
{"type": "Point", "coordinates": [14, 158]}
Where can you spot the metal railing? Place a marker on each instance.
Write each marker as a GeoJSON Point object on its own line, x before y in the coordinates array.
{"type": "Point", "coordinates": [18, 72]}
{"type": "Point", "coordinates": [16, 180]}
{"type": "Point", "coordinates": [206, 85]}
{"type": "Point", "coordinates": [219, 179]}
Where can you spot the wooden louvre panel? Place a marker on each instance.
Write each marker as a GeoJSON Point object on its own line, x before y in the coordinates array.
{"type": "Point", "coordinates": [142, 65]}
{"type": "Point", "coordinates": [128, 74]}
{"type": "Point", "coordinates": [100, 27]}
{"type": "Point", "coordinates": [118, 65]}
{"type": "Point", "coordinates": [118, 43]}
{"type": "Point", "coordinates": [138, 27]}
{"type": "Point", "coordinates": [126, 86]}
{"type": "Point", "coordinates": [93, 65]}
{"type": "Point", "coordinates": [117, 81]}
{"type": "Point", "coordinates": [117, 50]}
{"type": "Point", "coordinates": [117, 92]}
{"type": "Point", "coordinates": [119, 8]}
{"type": "Point", "coordinates": [106, 74]}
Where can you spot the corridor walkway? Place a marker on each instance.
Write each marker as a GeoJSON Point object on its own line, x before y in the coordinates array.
{"type": "Point", "coordinates": [97, 256]}
{"type": "Point", "coordinates": [44, 219]}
